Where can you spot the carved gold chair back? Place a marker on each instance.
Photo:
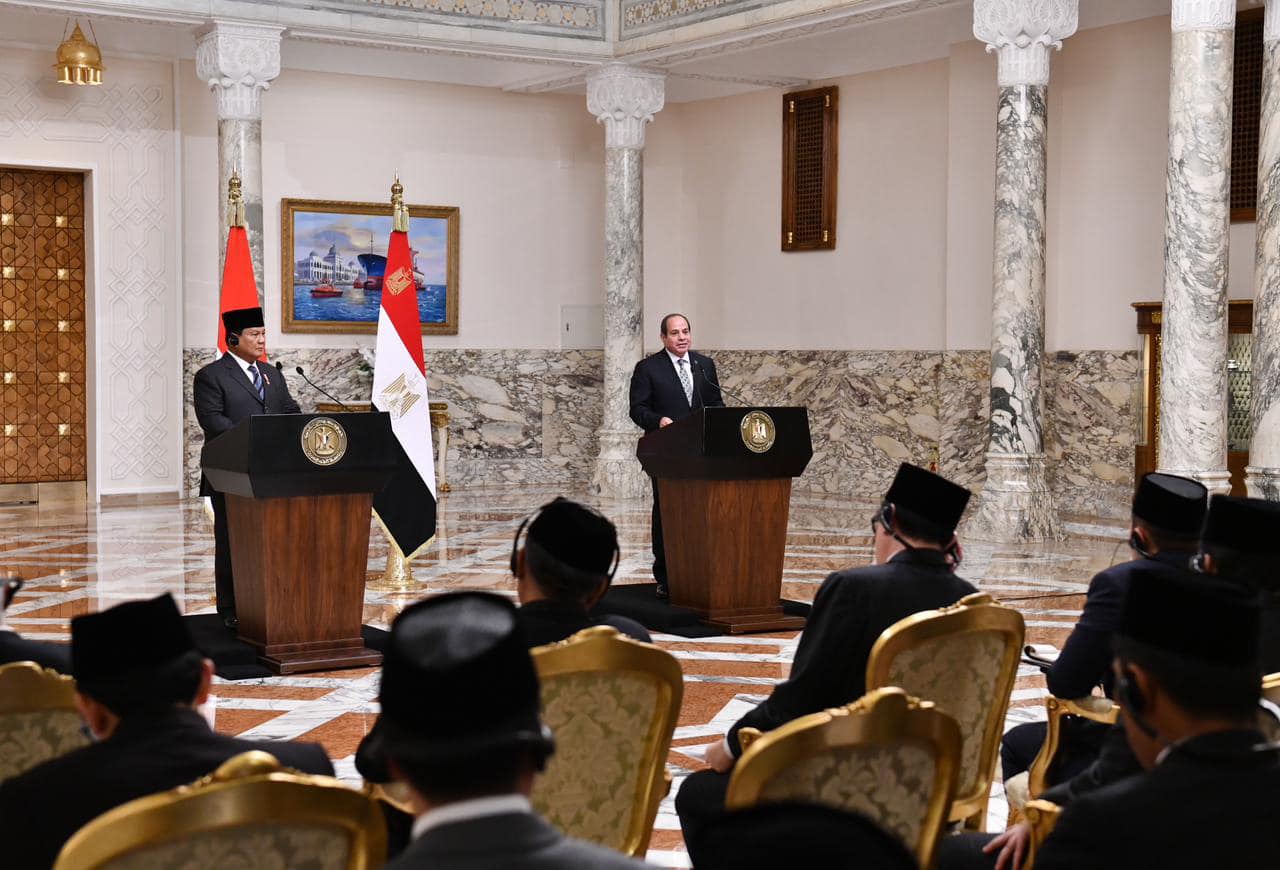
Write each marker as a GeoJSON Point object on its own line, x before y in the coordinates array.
{"type": "Point", "coordinates": [964, 658]}
{"type": "Point", "coordinates": [38, 717]}
{"type": "Point", "coordinates": [889, 756]}
{"type": "Point", "coordinates": [612, 704]}
{"type": "Point", "coordinates": [250, 812]}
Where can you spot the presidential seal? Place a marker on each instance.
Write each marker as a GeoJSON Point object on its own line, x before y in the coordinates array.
{"type": "Point", "coordinates": [324, 441]}
{"type": "Point", "coordinates": [758, 431]}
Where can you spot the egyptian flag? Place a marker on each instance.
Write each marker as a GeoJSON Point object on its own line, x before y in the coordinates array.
{"type": "Point", "coordinates": [239, 288]}
{"type": "Point", "coordinates": [406, 506]}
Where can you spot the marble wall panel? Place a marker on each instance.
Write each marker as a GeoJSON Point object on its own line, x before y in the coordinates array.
{"type": "Point", "coordinates": [531, 416]}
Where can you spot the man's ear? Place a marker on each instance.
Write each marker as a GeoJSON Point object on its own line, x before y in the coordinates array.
{"type": "Point", "coordinates": [96, 716]}
{"type": "Point", "coordinates": [206, 682]}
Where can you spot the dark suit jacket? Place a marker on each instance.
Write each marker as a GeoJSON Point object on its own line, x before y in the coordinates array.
{"type": "Point", "coordinates": [15, 648]}
{"type": "Point", "coordinates": [1085, 660]}
{"type": "Point", "coordinates": [849, 612]}
{"type": "Point", "coordinates": [224, 396]}
{"type": "Point", "coordinates": [1210, 803]}
{"type": "Point", "coordinates": [43, 807]}
{"type": "Point", "coordinates": [548, 621]}
{"type": "Point", "coordinates": [656, 391]}
{"type": "Point", "coordinates": [511, 841]}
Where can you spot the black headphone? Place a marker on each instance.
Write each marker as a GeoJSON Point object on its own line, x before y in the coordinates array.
{"type": "Point", "coordinates": [1132, 701]}
{"type": "Point", "coordinates": [885, 518]}
{"type": "Point", "coordinates": [233, 339]}
{"type": "Point", "coordinates": [1135, 544]}
{"type": "Point", "coordinates": [515, 542]}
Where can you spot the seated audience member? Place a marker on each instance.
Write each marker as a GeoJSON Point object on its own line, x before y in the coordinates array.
{"type": "Point", "coordinates": [1188, 678]}
{"type": "Point", "coordinates": [916, 553]}
{"type": "Point", "coordinates": [563, 570]}
{"type": "Point", "coordinates": [139, 680]}
{"type": "Point", "coordinates": [461, 726]}
{"type": "Point", "coordinates": [1168, 512]}
{"type": "Point", "coordinates": [15, 648]}
{"type": "Point", "coordinates": [769, 836]}
{"type": "Point", "coordinates": [1241, 543]}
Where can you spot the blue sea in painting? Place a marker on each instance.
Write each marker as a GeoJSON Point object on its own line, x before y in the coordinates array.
{"type": "Point", "coordinates": [361, 306]}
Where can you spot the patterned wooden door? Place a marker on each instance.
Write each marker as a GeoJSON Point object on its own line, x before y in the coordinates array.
{"type": "Point", "coordinates": [42, 327]}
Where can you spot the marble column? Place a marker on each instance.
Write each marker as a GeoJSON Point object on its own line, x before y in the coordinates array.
{"type": "Point", "coordinates": [239, 61]}
{"type": "Point", "coordinates": [1193, 384]}
{"type": "Point", "coordinates": [1263, 473]}
{"type": "Point", "coordinates": [1016, 504]}
{"type": "Point", "coordinates": [624, 99]}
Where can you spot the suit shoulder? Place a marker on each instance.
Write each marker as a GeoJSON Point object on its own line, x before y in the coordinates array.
{"type": "Point", "coordinates": [304, 757]}
{"type": "Point", "coordinates": [571, 853]}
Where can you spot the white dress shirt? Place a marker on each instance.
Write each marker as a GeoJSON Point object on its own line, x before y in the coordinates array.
{"type": "Point", "coordinates": [675, 361]}
{"type": "Point", "coordinates": [465, 811]}
{"type": "Point", "coordinates": [244, 367]}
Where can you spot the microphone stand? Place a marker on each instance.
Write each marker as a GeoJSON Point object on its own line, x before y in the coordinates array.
{"type": "Point", "coordinates": [735, 396]}
{"type": "Point", "coordinates": [317, 387]}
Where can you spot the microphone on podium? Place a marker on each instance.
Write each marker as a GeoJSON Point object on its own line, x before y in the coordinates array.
{"type": "Point", "coordinates": [318, 388]}
{"type": "Point", "coordinates": [697, 366]}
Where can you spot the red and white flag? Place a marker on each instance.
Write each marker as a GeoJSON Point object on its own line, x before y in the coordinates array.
{"type": "Point", "coordinates": [239, 287]}
{"type": "Point", "coordinates": [407, 505]}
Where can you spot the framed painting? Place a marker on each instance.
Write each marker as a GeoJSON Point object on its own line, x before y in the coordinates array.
{"type": "Point", "coordinates": [333, 255]}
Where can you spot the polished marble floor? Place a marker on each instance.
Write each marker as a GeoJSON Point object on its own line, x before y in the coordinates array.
{"type": "Point", "coordinates": [80, 558]}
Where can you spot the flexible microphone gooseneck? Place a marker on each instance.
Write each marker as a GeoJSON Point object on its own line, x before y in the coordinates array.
{"type": "Point", "coordinates": [319, 388]}
{"type": "Point", "coordinates": [697, 366]}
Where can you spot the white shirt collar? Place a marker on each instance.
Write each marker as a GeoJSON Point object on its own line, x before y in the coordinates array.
{"type": "Point", "coordinates": [244, 366]}
{"type": "Point", "coordinates": [675, 360]}
{"type": "Point", "coordinates": [464, 811]}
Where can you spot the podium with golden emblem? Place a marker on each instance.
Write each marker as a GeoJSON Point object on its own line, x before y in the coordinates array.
{"type": "Point", "coordinates": [299, 491]}
{"type": "Point", "coordinates": [724, 483]}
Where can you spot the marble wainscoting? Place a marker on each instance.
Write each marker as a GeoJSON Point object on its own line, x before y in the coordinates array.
{"type": "Point", "coordinates": [516, 416]}
{"type": "Point", "coordinates": [531, 416]}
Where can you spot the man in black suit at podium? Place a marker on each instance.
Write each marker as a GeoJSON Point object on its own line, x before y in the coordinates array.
{"type": "Point", "coordinates": [226, 392]}
{"type": "Point", "coordinates": [668, 386]}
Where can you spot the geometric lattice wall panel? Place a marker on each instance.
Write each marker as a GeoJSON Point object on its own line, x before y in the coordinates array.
{"type": "Point", "coordinates": [122, 210]}
{"type": "Point", "coordinates": [42, 374]}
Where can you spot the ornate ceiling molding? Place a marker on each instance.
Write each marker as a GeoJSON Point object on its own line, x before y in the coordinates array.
{"type": "Point", "coordinates": [1023, 33]}
{"type": "Point", "coordinates": [624, 99]}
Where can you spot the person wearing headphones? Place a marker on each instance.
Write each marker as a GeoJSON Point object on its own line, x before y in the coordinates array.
{"type": "Point", "coordinates": [228, 391]}
{"type": "Point", "coordinates": [1168, 512]}
{"type": "Point", "coordinates": [563, 569]}
{"type": "Point", "coordinates": [1189, 681]}
{"type": "Point", "coordinates": [916, 554]}
{"type": "Point", "coordinates": [461, 726]}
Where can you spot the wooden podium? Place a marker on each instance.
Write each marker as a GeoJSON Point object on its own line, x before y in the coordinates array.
{"type": "Point", "coordinates": [299, 497]}
{"type": "Point", "coordinates": [724, 481]}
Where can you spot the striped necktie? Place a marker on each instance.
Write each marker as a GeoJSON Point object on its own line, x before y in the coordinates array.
{"type": "Point", "coordinates": [686, 382]}
{"type": "Point", "coordinates": [257, 382]}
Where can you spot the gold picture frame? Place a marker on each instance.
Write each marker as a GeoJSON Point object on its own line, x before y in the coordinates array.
{"type": "Point", "coordinates": [332, 254]}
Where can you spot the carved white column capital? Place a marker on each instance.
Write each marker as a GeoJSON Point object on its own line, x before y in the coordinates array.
{"type": "Point", "coordinates": [1271, 21]}
{"type": "Point", "coordinates": [1203, 15]}
{"type": "Point", "coordinates": [624, 99]}
{"type": "Point", "coordinates": [1023, 33]}
{"type": "Point", "coordinates": [238, 61]}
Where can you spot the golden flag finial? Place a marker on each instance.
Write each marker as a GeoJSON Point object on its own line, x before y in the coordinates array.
{"type": "Point", "coordinates": [399, 213]}
{"type": "Point", "coordinates": [235, 201]}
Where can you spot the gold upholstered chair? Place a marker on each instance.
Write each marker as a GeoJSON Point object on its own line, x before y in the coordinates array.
{"type": "Point", "coordinates": [1030, 785]}
{"type": "Point", "coordinates": [1271, 687]}
{"type": "Point", "coordinates": [38, 717]}
{"type": "Point", "coordinates": [964, 658]}
{"type": "Point", "coordinates": [888, 756]}
{"type": "Point", "coordinates": [612, 704]}
{"type": "Point", "coordinates": [249, 813]}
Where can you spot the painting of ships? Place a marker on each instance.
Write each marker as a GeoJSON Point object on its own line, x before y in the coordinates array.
{"type": "Point", "coordinates": [375, 267]}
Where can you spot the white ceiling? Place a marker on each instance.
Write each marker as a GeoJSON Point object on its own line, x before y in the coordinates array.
{"type": "Point", "coordinates": [713, 68]}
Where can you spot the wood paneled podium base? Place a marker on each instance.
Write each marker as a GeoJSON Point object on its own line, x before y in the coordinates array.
{"type": "Point", "coordinates": [299, 566]}
{"type": "Point", "coordinates": [725, 541]}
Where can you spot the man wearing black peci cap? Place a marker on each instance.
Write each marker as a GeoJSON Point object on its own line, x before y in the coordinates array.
{"type": "Point", "coordinates": [563, 570]}
{"type": "Point", "coordinates": [139, 682]}
{"type": "Point", "coordinates": [461, 726]}
{"type": "Point", "coordinates": [1168, 512]}
{"type": "Point", "coordinates": [1241, 543]}
{"type": "Point", "coordinates": [228, 391]}
{"type": "Point", "coordinates": [1188, 678]}
{"type": "Point", "coordinates": [916, 553]}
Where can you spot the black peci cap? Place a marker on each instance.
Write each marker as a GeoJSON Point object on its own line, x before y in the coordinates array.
{"type": "Point", "coordinates": [1171, 503]}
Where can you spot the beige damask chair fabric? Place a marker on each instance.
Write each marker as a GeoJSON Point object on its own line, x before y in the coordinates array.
{"type": "Point", "coordinates": [964, 658]}
{"type": "Point", "coordinates": [249, 814]}
{"type": "Point", "coordinates": [38, 718]}
{"type": "Point", "coordinates": [888, 756]}
{"type": "Point", "coordinates": [612, 704]}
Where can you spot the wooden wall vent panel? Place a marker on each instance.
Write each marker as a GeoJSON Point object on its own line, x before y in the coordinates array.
{"type": "Point", "coordinates": [809, 123]}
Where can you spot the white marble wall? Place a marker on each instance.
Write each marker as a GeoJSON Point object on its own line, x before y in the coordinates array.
{"type": "Point", "coordinates": [530, 416]}
{"type": "Point", "coordinates": [1264, 450]}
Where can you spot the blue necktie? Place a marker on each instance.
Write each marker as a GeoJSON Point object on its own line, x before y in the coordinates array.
{"type": "Point", "coordinates": [257, 382]}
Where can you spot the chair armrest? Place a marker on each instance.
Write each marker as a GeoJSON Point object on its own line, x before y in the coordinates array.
{"type": "Point", "coordinates": [747, 736]}
{"type": "Point", "coordinates": [1092, 707]}
{"type": "Point", "coordinates": [1041, 816]}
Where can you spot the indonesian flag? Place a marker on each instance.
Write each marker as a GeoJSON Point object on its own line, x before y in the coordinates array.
{"type": "Point", "coordinates": [406, 507]}
{"type": "Point", "coordinates": [239, 288]}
